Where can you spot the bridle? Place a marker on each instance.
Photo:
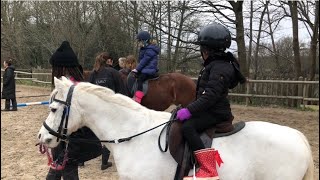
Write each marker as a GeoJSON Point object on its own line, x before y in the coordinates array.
{"type": "Point", "coordinates": [62, 132]}
{"type": "Point", "coordinates": [65, 116]}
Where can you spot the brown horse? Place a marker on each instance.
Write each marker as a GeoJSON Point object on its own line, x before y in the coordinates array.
{"type": "Point", "coordinates": [168, 89]}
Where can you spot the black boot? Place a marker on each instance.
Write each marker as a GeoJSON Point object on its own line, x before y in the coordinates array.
{"type": "Point", "coordinates": [6, 105]}
{"type": "Point", "coordinates": [54, 175]}
{"type": "Point", "coordinates": [105, 157]}
{"type": "Point", "coordinates": [14, 104]}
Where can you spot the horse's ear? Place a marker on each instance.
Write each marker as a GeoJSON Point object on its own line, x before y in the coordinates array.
{"type": "Point", "coordinates": [66, 81]}
{"type": "Point", "coordinates": [57, 83]}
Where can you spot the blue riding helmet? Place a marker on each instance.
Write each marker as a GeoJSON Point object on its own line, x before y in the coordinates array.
{"type": "Point", "coordinates": [143, 35]}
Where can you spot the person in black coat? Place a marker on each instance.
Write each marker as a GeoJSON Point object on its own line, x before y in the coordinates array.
{"type": "Point", "coordinates": [220, 73]}
{"type": "Point", "coordinates": [65, 63]}
{"type": "Point", "coordinates": [105, 75]}
{"type": "Point", "coordinates": [9, 86]}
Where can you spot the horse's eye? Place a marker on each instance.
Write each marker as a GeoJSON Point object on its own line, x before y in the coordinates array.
{"type": "Point", "coordinates": [53, 110]}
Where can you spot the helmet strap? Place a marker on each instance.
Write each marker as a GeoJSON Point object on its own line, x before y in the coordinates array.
{"type": "Point", "coordinates": [145, 43]}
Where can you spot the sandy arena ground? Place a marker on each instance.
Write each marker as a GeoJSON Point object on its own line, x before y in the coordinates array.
{"type": "Point", "coordinates": [20, 158]}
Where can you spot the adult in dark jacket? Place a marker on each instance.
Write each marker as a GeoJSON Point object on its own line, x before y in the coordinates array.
{"type": "Point", "coordinates": [104, 75]}
{"type": "Point", "coordinates": [65, 63]}
{"type": "Point", "coordinates": [148, 62]}
{"type": "Point", "coordinates": [220, 73]}
{"type": "Point", "coordinates": [9, 86]}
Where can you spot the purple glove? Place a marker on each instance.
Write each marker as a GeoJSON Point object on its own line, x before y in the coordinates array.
{"type": "Point", "coordinates": [183, 114]}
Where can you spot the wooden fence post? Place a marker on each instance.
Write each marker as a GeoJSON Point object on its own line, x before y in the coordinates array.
{"type": "Point", "coordinates": [247, 92]}
{"type": "Point", "coordinates": [304, 94]}
{"type": "Point", "coordinates": [300, 91]}
{"type": "Point", "coordinates": [282, 91]}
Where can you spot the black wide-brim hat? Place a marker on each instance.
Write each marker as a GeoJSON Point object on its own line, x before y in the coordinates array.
{"type": "Point", "coordinates": [64, 56]}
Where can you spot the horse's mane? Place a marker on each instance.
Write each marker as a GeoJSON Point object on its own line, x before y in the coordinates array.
{"type": "Point", "coordinates": [107, 94]}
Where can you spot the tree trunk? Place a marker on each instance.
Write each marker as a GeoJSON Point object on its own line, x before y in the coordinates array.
{"type": "Point", "coordinates": [250, 41]}
{"type": "Point", "coordinates": [295, 30]}
{"type": "Point", "coordinates": [256, 57]}
{"type": "Point", "coordinates": [313, 44]}
{"type": "Point", "coordinates": [237, 8]}
{"type": "Point", "coordinates": [275, 51]}
{"type": "Point", "coordinates": [169, 39]}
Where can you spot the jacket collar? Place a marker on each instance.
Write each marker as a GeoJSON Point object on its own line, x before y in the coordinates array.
{"type": "Point", "coordinates": [208, 61]}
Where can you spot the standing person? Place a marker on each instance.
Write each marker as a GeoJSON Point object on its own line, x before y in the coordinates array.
{"type": "Point", "coordinates": [65, 63]}
{"type": "Point", "coordinates": [220, 73]}
{"type": "Point", "coordinates": [9, 86]}
{"type": "Point", "coordinates": [130, 63]}
{"type": "Point", "coordinates": [104, 75]}
{"type": "Point", "coordinates": [122, 62]}
{"type": "Point", "coordinates": [148, 62]}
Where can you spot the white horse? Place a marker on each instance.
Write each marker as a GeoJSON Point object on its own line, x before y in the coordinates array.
{"type": "Point", "coordinates": [260, 151]}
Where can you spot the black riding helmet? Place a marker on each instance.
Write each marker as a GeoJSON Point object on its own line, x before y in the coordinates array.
{"type": "Point", "coordinates": [143, 35]}
{"type": "Point", "coordinates": [214, 36]}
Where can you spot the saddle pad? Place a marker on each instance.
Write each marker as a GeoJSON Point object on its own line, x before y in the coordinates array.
{"type": "Point", "coordinates": [207, 141]}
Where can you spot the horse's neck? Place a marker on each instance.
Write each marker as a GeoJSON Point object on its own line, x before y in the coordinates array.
{"type": "Point", "coordinates": [112, 121]}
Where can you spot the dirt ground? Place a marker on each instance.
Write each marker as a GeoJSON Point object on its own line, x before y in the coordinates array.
{"type": "Point", "coordinates": [20, 158]}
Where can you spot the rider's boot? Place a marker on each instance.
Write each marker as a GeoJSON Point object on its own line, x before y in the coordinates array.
{"type": "Point", "coordinates": [207, 159]}
{"type": "Point", "coordinates": [105, 158]}
{"type": "Point", "coordinates": [138, 96]}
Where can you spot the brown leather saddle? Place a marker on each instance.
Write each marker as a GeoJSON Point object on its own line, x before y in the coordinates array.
{"type": "Point", "coordinates": [179, 149]}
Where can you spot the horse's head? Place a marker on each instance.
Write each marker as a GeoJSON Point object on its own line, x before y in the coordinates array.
{"type": "Point", "coordinates": [62, 118]}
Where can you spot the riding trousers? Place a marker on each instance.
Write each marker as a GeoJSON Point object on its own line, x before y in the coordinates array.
{"type": "Point", "coordinates": [70, 172]}
{"type": "Point", "coordinates": [198, 123]}
{"type": "Point", "coordinates": [141, 78]}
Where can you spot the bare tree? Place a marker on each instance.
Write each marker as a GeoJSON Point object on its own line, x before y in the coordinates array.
{"type": "Point", "coordinates": [296, 49]}
{"type": "Point", "coordinates": [305, 11]}
{"type": "Point", "coordinates": [237, 9]}
{"type": "Point", "coordinates": [258, 39]}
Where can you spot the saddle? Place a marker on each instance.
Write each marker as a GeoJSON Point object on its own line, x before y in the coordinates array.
{"type": "Point", "coordinates": [132, 82]}
{"type": "Point", "coordinates": [180, 151]}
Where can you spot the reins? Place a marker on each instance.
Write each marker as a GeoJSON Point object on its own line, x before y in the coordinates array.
{"type": "Point", "coordinates": [62, 133]}
{"type": "Point", "coordinates": [116, 141]}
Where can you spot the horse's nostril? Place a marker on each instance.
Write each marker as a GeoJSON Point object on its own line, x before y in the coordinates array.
{"type": "Point", "coordinates": [48, 140]}
{"type": "Point", "coordinates": [39, 136]}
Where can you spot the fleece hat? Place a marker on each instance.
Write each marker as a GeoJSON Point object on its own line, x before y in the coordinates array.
{"type": "Point", "coordinates": [64, 56]}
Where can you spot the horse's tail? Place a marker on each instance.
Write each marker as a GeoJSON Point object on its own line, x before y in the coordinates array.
{"type": "Point", "coordinates": [309, 175]}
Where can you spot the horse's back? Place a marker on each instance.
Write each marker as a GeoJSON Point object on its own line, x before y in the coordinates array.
{"type": "Point", "coordinates": [184, 87]}
{"type": "Point", "coordinates": [168, 89]}
{"type": "Point", "coordinates": [264, 151]}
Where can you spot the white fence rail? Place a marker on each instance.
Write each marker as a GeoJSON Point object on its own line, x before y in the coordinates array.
{"type": "Point", "coordinates": [301, 90]}
{"type": "Point", "coordinates": [32, 78]}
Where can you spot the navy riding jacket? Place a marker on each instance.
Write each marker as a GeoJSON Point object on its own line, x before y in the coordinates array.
{"type": "Point", "coordinates": [148, 59]}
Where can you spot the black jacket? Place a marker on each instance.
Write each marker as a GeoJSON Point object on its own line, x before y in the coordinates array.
{"type": "Point", "coordinates": [214, 81]}
{"type": "Point", "coordinates": [109, 77]}
{"type": "Point", "coordinates": [9, 84]}
{"type": "Point", "coordinates": [79, 151]}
